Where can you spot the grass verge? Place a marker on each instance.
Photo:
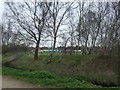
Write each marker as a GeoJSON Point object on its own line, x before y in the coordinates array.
{"type": "Point", "coordinates": [46, 78]}
{"type": "Point", "coordinates": [90, 68]}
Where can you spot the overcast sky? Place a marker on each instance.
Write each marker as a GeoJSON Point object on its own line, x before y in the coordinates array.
{"type": "Point", "coordinates": [1, 9]}
{"type": "Point", "coordinates": [44, 44]}
{"type": "Point", "coordinates": [2, 3]}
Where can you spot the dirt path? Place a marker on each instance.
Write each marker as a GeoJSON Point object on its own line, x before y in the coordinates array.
{"type": "Point", "coordinates": [8, 82]}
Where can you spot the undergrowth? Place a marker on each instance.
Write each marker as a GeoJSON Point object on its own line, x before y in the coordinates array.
{"type": "Point", "coordinates": [47, 78]}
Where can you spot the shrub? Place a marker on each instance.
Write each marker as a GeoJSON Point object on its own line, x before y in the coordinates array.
{"type": "Point", "coordinates": [14, 48]}
{"type": "Point", "coordinates": [42, 74]}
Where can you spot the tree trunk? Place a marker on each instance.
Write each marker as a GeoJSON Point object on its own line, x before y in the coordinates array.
{"type": "Point", "coordinates": [78, 44]}
{"type": "Point", "coordinates": [65, 50]}
{"type": "Point", "coordinates": [54, 45]}
{"type": "Point", "coordinates": [51, 54]}
{"type": "Point", "coordinates": [36, 51]}
{"type": "Point", "coordinates": [86, 47]}
{"type": "Point", "coordinates": [37, 46]}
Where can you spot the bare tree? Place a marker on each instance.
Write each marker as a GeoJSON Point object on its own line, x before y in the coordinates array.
{"type": "Point", "coordinates": [80, 23]}
{"type": "Point", "coordinates": [65, 41]}
{"type": "Point", "coordinates": [96, 27]}
{"type": "Point", "coordinates": [72, 26]}
{"type": "Point", "coordinates": [57, 11]}
{"type": "Point", "coordinates": [114, 31]}
{"type": "Point", "coordinates": [31, 20]}
{"type": "Point", "coordinates": [84, 25]}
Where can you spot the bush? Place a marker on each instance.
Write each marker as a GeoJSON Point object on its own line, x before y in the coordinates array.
{"type": "Point", "coordinates": [42, 74]}
{"type": "Point", "coordinates": [14, 48]}
{"type": "Point", "coordinates": [105, 56]}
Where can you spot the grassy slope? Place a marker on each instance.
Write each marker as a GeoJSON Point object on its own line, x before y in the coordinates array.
{"type": "Point", "coordinates": [82, 67]}
{"type": "Point", "coordinates": [47, 78]}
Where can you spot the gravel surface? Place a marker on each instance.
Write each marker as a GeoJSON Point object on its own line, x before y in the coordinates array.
{"type": "Point", "coordinates": [9, 82]}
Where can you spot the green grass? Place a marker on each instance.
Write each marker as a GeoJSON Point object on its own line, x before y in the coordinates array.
{"type": "Point", "coordinates": [93, 78]}
{"type": "Point", "coordinates": [83, 67]}
{"type": "Point", "coordinates": [47, 78]}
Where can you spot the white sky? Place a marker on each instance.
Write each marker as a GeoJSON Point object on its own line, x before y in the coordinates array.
{"type": "Point", "coordinates": [1, 9]}
{"type": "Point", "coordinates": [2, 3]}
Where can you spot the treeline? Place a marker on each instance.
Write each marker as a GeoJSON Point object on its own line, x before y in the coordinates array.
{"type": "Point", "coordinates": [93, 26]}
{"type": "Point", "coordinates": [15, 48]}
{"type": "Point", "coordinates": [96, 50]}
